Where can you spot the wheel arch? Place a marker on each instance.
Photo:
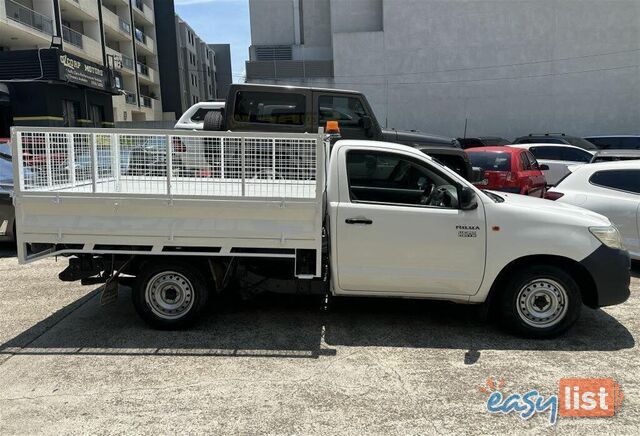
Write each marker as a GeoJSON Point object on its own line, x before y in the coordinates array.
{"type": "Point", "coordinates": [578, 272]}
{"type": "Point", "coordinates": [212, 268]}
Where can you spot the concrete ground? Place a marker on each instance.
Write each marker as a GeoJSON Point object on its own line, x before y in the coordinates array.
{"type": "Point", "coordinates": [288, 365]}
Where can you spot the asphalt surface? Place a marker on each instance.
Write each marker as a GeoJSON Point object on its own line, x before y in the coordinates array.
{"type": "Point", "coordinates": [283, 365]}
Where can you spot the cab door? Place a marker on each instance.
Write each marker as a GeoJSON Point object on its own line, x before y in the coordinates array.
{"type": "Point", "coordinates": [392, 236]}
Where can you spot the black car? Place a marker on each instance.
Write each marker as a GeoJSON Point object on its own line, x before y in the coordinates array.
{"type": "Point", "coordinates": [617, 142]}
{"type": "Point", "coordinates": [555, 138]}
{"type": "Point", "coordinates": [483, 141]}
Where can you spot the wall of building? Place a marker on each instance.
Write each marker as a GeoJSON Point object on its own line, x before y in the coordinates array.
{"type": "Point", "coordinates": [224, 74]}
{"type": "Point", "coordinates": [272, 21]}
{"type": "Point", "coordinates": [508, 67]}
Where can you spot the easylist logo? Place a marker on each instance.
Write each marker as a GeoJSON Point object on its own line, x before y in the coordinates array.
{"type": "Point", "coordinates": [577, 397]}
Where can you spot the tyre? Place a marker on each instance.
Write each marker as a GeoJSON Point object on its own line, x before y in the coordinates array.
{"type": "Point", "coordinates": [170, 295]}
{"type": "Point", "coordinates": [213, 121]}
{"type": "Point", "coordinates": [540, 302]}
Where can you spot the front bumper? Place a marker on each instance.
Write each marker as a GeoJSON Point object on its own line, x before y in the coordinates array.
{"type": "Point", "coordinates": [610, 269]}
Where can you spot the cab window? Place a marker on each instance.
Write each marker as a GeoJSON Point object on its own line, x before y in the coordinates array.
{"type": "Point", "coordinates": [347, 110]}
{"type": "Point", "coordinates": [388, 178]}
{"type": "Point", "coordinates": [270, 108]}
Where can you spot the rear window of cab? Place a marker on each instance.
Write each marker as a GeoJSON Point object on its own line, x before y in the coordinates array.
{"type": "Point", "coordinates": [491, 161]}
{"type": "Point", "coordinates": [270, 108]}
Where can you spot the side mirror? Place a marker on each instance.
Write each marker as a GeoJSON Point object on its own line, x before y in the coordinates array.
{"type": "Point", "coordinates": [468, 200]}
{"type": "Point", "coordinates": [367, 124]}
{"type": "Point", "coordinates": [477, 174]}
{"type": "Point", "coordinates": [544, 167]}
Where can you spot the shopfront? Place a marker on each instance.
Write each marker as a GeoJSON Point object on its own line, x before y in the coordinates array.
{"type": "Point", "coordinates": [49, 87]}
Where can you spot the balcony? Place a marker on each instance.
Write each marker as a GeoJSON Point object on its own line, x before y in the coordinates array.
{"type": "Point", "coordinates": [146, 101]}
{"type": "Point", "coordinates": [120, 61]}
{"type": "Point", "coordinates": [143, 69]}
{"type": "Point", "coordinates": [80, 10]}
{"type": "Point", "coordinates": [72, 36]}
{"type": "Point", "coordinates": [147, 75]}
{"type": "Point", "coordinates": [81, 45]}
{"type": "Point", "coordinates": [145, 42]}
{"type": "Point", "coordinates": [28, 17]}
{"type": "Point", "coordinates": [130, 98]}
{"type": "Point", "coordinates": [117, 26]}
{"type": "Point", "coordinates": [143, 11]}
{"type": "Point", "coordinates": [127, 62]}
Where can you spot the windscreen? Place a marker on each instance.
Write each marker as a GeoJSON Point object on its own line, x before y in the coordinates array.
{"type": "Point", "coordinates": [491, 161]}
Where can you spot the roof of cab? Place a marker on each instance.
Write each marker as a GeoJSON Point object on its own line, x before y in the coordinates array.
{"type": "Point", "coordinates": [293, 88]}
{"type": "Point", "coordinates": [379, 145]}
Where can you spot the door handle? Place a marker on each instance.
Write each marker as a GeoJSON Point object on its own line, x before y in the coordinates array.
{"type": "Point", "coordinates": [364, 221]}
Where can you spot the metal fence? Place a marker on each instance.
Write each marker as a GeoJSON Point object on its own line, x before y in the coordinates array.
{"type": "Point", "coordinates": [168, 163]}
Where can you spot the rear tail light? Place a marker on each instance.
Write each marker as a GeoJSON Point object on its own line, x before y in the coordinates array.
{"type": "Point", "coordinates": [553, 196]}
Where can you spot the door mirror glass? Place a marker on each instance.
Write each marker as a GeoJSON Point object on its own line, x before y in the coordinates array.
{"type": "Point", "coordinates": [544, 167]}
{"type": "Point", "coordinates": [468, 199]}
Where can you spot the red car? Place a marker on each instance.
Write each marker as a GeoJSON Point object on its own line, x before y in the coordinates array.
{"type": "Point", "coordinates": [509, 169]}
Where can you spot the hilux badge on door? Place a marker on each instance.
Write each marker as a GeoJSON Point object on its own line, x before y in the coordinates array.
{"type": "Point", "coordinates": [467, 231]}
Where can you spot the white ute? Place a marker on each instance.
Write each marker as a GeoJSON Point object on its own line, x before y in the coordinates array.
{"type": "Point", "coordinates": [288, 212]}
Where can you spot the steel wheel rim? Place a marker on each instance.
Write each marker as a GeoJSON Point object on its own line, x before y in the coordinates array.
{"type": "Point", "coordinates": [542, 303]}
{"type": "Point", "coordinates": [169, 295]}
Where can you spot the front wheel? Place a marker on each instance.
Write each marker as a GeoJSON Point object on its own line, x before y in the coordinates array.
{"type": "Point", "coordinates": [540, 302]}
{"type": "Point", "coordinates": [169, 296]}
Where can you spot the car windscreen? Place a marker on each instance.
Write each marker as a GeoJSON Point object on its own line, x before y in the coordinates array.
{"type": "Point", "coordinates": [491, 161]}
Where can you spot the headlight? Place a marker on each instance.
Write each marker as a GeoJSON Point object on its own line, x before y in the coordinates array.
{"type": "Point", "coordinates": [609, 236]}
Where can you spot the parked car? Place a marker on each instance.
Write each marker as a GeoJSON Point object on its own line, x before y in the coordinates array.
{"type": "Point", "coordinates": [615, 155]}
{"type": "Point", "coordinates": [611, 189]}
{"type": "Point", "coordinates": [7, 211]}
{"type": "Point", "coordinates": [558, 158]}
{"type": "Point", "coordinates": [618, 142]}
{"type": "Point", "coordinates": [483, 141]}
{"type": "Point", "coordinates": [555, 138]}
{"type": "Point", "coordinates": [509, 169]}
{"type": "Point", "coordinates": [5, 147]}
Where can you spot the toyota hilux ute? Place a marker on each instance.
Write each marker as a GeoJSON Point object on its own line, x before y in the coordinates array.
{"type": "Point", "coordinates": [358, 218]}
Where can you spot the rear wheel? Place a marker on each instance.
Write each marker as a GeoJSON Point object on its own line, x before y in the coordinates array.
{"type": "Point", "coordinates": [540, 302]}
{"type": "Point", "coordinates": [170, 295]}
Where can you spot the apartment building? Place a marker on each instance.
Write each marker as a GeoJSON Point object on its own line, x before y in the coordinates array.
{"type": "Point", "coordinates": [187, 62]}
{"type": "Point", "coordinates": [113, 40]}
{"type": "Point", "coordinates": [224, 70]}
{"type": "Point", "coordinates": [500, 67]}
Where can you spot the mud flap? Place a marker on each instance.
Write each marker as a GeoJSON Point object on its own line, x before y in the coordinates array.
{"type": "Point", "coordinates": [109, 293]}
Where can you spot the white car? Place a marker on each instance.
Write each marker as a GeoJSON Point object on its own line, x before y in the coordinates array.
{"type": "Point", "coordinates": [193, 118]}
{"type": "Point", "coordinates": [558, 157]}
{"type": "Point", "coordinates": [611, 189]}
